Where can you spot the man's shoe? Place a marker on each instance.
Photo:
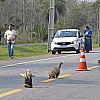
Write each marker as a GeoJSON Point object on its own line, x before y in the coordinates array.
{"type": "Point", "coordinates": [87, 51]}
{"type": "Point", "coordinates": [11, 57]}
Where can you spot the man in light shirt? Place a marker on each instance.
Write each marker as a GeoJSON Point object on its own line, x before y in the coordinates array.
{"type": "Point", "coordinates": [10, 36]}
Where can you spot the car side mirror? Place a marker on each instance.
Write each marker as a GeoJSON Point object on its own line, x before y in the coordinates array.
{"type": "Point", "coordinates": [81, 35]}
{"type": "Point", "coordinates": [52, 37]}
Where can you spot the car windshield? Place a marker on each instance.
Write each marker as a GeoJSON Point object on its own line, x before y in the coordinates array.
{"type": "Point", "coordinates": [66, 34]}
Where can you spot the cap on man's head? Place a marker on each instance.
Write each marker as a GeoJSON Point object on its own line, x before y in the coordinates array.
{"type": "Point", "coordinates": [87, 27]}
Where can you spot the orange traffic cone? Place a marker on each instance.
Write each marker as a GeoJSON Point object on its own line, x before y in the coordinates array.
{"type": "Point", "coordinates": [82, 64]}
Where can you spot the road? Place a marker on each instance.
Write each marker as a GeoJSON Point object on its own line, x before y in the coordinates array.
{"type": "Point", "coordinates": [72, 84]}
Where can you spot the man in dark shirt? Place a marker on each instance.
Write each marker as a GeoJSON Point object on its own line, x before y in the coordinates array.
{"type": "Point", "coordinates": [88, 39]}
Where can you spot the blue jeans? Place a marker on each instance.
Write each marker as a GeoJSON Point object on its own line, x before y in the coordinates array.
{"type": "Point", "coordinates": [88, 44]}
{"type": "Point", "coordinates": [10, 49]}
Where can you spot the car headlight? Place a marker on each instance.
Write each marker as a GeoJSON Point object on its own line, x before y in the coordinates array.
{"type": "Point", "coordinates": [73, 42]}
{"type": "Point", "coordinates": [53, 42]}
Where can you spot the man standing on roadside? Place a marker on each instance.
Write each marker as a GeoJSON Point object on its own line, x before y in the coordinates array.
{"type": "Point", "coordinates": [11, 36]}
{"type": "Point", "coordinates": [88, 39]}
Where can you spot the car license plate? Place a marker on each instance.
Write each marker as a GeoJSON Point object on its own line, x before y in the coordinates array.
{"type": "Point", "coordinates": [63, 46]}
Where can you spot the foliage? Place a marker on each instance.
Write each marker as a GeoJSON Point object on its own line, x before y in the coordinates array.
{"type": "Point", "coordinates": [96, 4]}
{"type": "Point", "coordinates": [60, 6]}
{"type": "Point", "coordinates": [30, 17]}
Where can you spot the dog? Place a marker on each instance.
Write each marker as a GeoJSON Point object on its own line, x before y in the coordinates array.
{"type": "Point", "coordinates": [28, 78]}
{"type": "Point", "coordinates": [54, 73]}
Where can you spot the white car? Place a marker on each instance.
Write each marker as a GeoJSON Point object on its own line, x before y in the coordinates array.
{"type": "Point", "coordinates": [66, 40]}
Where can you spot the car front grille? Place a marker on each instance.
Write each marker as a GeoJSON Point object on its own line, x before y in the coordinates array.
{"type": "Point", "coordinates": [64, 43]}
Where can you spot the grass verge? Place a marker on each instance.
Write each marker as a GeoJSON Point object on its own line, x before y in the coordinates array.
{"type": "Point", "coordinates": [24, 51]}
{"type": "Point", "coordinates": [28, 51]}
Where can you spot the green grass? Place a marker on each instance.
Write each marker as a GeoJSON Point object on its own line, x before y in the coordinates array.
{"type": "Point", "coordinates": [28, 51]}
{"type": "Point", "coordinates": [24, 51]}
{"type": "Point", "coordinates": [95, 45]}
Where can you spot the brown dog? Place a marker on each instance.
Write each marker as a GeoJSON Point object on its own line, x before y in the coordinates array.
{"type": "Point", "coordinates": [28, 78]}
{"type": "Point", "coordinates": [54, 73]}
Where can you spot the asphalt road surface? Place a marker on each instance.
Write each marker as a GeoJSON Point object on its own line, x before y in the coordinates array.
{"type": "Point", "coordinates": [71, 84]}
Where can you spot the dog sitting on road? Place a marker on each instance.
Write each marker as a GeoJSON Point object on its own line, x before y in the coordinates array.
{"type": "Point", "coordinates": [28, 78]}
{"type": "Point", "coordinates": [54, 73]}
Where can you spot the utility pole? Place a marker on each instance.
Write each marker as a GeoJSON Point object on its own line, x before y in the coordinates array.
{"type": "Point", "coordinates": [23, 14]}
{"type": "Point", "coordinates": [99, 26]}
{"type": "Point", "coordinates": [51, 23]}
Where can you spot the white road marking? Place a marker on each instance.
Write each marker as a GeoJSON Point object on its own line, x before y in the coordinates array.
{"type": "Point", "coordinates": [32, 61]}
{"type": "Point", "coordinates": [93, 67]}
